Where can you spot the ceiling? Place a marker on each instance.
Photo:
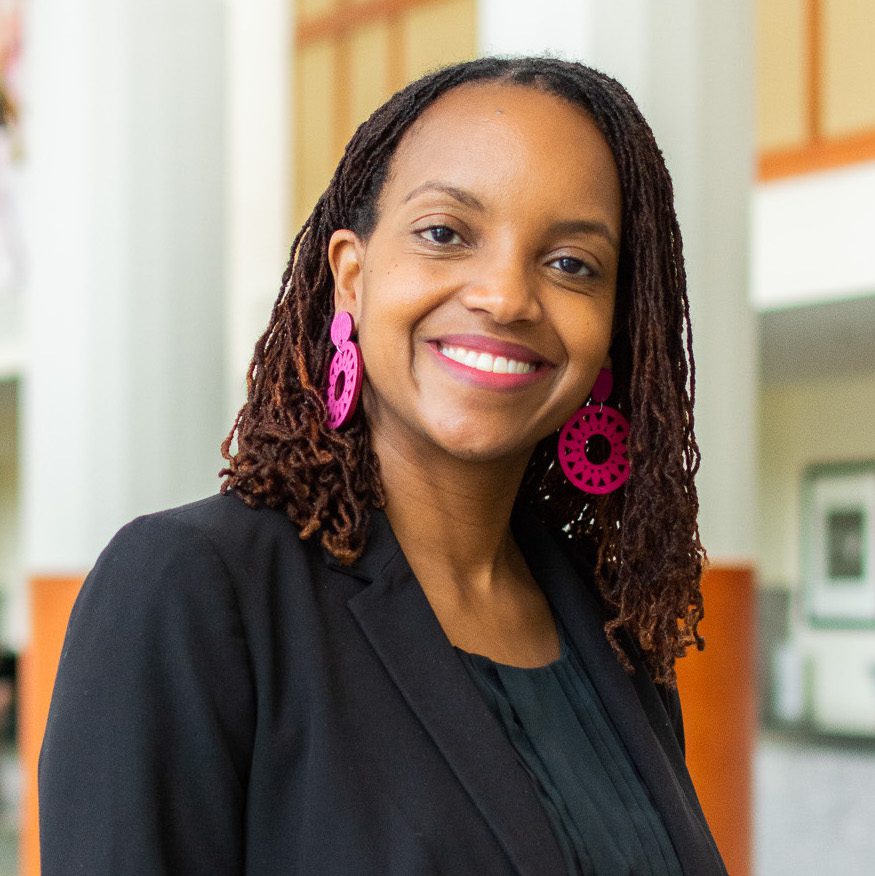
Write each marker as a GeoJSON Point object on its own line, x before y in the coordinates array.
{"type": "Point", "coordinates": [819, 340]}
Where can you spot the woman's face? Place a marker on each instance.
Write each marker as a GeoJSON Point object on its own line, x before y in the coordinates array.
{"type": "Point", "coordinates": [484, 296]}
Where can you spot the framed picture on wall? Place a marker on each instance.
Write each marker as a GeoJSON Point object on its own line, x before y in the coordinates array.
{"type": "Point", "coordinates": [838, 544]}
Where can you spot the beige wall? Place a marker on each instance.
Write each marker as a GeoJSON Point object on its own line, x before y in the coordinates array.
{"type": "Point", "coordinates": [802, 423]}
{"type": "Point", "coordinates": [781, 65]}
{"type": "Point", "coordinates": [848, 66]}
{"type": "Point", "coordinates": [815, 66]}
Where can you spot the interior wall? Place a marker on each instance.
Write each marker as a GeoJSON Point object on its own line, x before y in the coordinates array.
{"type": "Point", "coordinates": [10, 561]}
{"type": "Point", "coordinates": [802, 423]}
{"type": "Point", "coordinates": [781, 58]}
{"type": "Point", "coordinates": [345, 66]}
{"type": "Point", "coordinates": [814, 108]}
{"type": "Point", "coordinates": [826, 216]}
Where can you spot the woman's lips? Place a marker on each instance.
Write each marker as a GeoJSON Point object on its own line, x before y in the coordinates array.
{"type": "Point", "coordinates": [492, 346]}
{"type": "Point", "coordinates": [489, 362]}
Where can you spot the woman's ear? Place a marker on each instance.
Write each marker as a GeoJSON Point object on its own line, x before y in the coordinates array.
{"type": "Point", "coordinates": [346, 259]}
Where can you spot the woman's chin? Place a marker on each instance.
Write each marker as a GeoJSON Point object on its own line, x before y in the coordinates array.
{"type": "Point", "coordinates": [435, 436]}
{"type": "Point", "coordinates": [480, 446]}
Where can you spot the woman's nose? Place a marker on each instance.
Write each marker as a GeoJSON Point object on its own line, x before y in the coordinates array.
{"type": "Point", "coordinates": [507, 291]}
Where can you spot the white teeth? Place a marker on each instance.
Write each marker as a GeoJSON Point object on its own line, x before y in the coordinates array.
{"type": "Point", "coordinates": [485, 361]}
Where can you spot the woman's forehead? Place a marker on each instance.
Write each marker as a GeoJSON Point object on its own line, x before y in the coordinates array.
{"type": "Point", "coordinates": [505, 135]}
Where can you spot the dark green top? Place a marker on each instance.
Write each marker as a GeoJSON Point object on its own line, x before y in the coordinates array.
{"type": "Point", "coordinates": [600, 810]}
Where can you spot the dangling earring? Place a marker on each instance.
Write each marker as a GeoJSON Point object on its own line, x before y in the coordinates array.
{"type": "Point", "coordinates": [587, 423]}
{"type": "Point", "coordinates": [345, 372]}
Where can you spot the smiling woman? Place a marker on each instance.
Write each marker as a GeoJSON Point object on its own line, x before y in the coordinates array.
{"type": "Point", "coordinates": [476, 267]}
{"type": "Point", "coordinates": [473, 670]}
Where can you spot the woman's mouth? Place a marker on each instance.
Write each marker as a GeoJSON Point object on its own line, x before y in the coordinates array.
{"type": "Point", "coordinates": [489, 363]}
{"type": "Point", "coordinates": [486, 361]}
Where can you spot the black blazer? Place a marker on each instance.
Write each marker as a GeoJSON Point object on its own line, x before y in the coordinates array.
{"type": "Point", "coordinates": [231, 700]}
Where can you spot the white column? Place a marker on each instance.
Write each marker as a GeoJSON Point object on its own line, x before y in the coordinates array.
{"type": "Point", "coordinates": [520, 27]}
{"type": "Point", "coordinates": [689, 65]}
{"type": "Point", "coordinates": [701, 105]}
{"type": "Point", "coordinates": [125, 132]}
{"type": "Point", "coordinates": [260, 45]}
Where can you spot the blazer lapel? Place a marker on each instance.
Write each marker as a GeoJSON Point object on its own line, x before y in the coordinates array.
{"type": "Point", "coordinates": [631, 701]}
{"type": "Point", "coordinates": [400, 625]}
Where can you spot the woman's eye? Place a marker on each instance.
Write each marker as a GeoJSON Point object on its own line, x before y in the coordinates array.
{"type": "Point", "coordinates": [440, 234]}
{"type": "Point", "coordinates": [573, 267]}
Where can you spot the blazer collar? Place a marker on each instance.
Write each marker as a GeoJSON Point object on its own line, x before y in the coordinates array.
{"type": "Point", "coordinates": [400, 625]}
{"type": "Point", "coordinates": [398, 621]}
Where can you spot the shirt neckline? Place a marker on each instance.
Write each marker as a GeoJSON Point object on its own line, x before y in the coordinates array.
{"type": "Point", "coordinates": [553, 664]}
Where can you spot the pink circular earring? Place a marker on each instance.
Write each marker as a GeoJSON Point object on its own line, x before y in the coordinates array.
{"type": "Point", "coordinates": [345, 372]}
{"type": "Point", "coordinates": [595, 421]}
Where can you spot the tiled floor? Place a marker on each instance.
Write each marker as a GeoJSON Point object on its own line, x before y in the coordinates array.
{"type": "Point", "coordinates": [10, 797]}
{"type": "Point", "coordinates": [814, 810]}
{"type": "Point", "coordinates": [8, 851]}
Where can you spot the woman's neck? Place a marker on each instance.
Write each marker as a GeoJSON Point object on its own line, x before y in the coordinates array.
{"type": "Point", "coordinates": [450, 516]}
{"type": "Point", "coordinates": [452, 520]}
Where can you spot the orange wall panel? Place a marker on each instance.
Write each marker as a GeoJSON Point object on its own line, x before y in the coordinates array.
{"type": "Point", "coordinates": [718, 692]}
{"type": "Point", "coordinates": [51, 599]}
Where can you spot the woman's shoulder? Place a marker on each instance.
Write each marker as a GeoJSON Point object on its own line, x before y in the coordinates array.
{"type": "Point", "coordinates": [222, 523]}
{"type": "Point", "coordinates": [176, 559]}
{"type": "Point", "coordinates": [225, 520]}
{"type": "Point", "coordinates": [155, 680]}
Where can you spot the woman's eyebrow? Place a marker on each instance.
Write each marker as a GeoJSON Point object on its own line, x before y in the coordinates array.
{"type": "Point", "coordinates": [460, 195]}
{"type": "Point", "coordinates": [570, 226]}
{"type": "Point", "coordinates": [586, 226]}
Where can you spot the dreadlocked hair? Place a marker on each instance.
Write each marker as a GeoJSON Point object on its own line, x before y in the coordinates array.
{"type": "Point", "coordinates": [642, 540]}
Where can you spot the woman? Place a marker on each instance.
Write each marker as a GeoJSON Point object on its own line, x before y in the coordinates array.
{"type": "Point", "coordinates": [464, 664]}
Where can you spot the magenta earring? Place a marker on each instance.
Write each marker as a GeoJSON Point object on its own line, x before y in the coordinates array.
{"type": "Point", "coordinates": [595, 421]}
{"type": "Point", "coordinates": [345, 372]}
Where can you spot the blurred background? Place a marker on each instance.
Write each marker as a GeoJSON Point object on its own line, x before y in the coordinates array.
{"type": "Point", "coordinates": [155, 161]}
